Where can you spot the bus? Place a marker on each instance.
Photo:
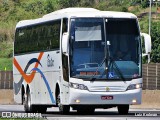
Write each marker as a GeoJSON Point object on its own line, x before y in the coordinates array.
{"type": "Point", "coordinates": [79, 58]}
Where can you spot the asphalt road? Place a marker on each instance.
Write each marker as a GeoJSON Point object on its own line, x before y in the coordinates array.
{"type": "Point", "coordinates": [100, 114]}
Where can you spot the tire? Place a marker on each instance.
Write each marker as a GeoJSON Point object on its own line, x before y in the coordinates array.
{"type": "Point", "coordinates": [25, 102]}
{"type": "Point", "coordinates": [28, 107]}
{"type": "Point", "coordinates": [85, 110]}
{"type": "Point", "coordinates": [63, 109]}
{"type": "Point", "coordinates": [123, 109]}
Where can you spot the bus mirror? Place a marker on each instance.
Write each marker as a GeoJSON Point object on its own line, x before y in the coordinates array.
{"type": "Point", "coordinates": [147, 45]}
{"type": "Point", "coordinates": [65, 40]}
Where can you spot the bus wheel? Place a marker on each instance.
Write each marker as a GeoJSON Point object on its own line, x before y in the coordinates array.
{"type": "Point", "coordinates": [25, 102]}
{"type": "Point", "coordinates": [28, 107]}
{"type": "Point", "coordinates": [123, 109]}
{"type": "Point", "coordinates": [63, 109]}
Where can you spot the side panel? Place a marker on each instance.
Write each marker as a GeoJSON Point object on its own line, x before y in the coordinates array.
{"type": "Point", "coordinates": [40, 71]}
{"type": "Point", "coordinates": [17, 84]}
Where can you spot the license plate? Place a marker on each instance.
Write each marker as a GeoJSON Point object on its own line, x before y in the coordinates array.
{"type": "Point", "coordinates": [107, 97]}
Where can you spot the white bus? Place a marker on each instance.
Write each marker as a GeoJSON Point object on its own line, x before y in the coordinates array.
{"type": "Point", "coordinates": [79, 58]}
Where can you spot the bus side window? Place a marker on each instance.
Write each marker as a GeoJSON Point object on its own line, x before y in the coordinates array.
{"type": "Point", "coordinates": [23, 41]}
{"type": "Point", "coordinates": [33, 43]}
{"type": "Point", "coordinates": [28, 39]}
{"type": "Point", "coordinates": [48, 37]}
{"type": "Point", "coordinates": [65, 25]}
{"type": "Point", "coordinates": [55, 34]}
{"type": "Point", "coordinates": [16, 50]}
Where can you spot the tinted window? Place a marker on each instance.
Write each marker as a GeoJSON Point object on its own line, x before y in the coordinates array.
{"type": "Point", "coordinates": [41, 37]}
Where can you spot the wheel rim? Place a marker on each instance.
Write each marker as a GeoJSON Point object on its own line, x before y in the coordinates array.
{"type": "Point", "coordinates": [25, 102]}
{"type": "Point", "coordinates": [29, 102]}
{"type": "Point", "coordinates": [59, 102]}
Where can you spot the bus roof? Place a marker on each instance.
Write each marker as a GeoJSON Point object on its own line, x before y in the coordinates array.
{"type": "Point", "coordinates": [75, 12]}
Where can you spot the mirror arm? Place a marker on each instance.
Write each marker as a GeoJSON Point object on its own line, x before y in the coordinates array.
{"type": "Point", "coordinates": [147, 40]}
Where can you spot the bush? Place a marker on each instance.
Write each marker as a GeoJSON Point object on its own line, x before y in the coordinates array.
{"type": "Point", "coordinates": [6, 63]}
{"type": "Point", "coordinates": [124, 9]}
{"type": "Point", "coordinates": [6, 50]}
{"type": "Point", "coordinates": [155, 35]}
{"type": "Point", "coordinates": [144, 4]}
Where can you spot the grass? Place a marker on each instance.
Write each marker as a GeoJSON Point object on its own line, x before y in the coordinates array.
{"type": "Point", "coordinates": [5, 63]}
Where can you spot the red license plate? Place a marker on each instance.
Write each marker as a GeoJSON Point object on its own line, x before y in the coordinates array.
{"type": "Point", "coordinates": [107, 97]}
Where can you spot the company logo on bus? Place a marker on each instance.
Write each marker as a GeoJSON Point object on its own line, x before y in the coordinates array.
{"type": "Point", "coordinates": [50, 61]}
{"type": "Point", "coordinates": [107, 89]}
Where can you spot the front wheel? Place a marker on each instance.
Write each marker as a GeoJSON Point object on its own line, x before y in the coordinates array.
{"type": "Point", "coordinates": [63, 109]}
{"type": "Point", "coordinates": [123, 109]}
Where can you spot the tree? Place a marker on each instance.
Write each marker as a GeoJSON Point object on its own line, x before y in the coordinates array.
{"type": "Point", "coordinates": [155, 35]}
{"type": "Point", "coordinates": [144, 4]}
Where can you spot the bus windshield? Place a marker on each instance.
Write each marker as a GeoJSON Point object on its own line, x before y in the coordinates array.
{"type": "Point", "coordinates": [105, 48]}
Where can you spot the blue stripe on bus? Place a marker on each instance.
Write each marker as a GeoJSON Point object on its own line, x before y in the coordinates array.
{"type": "Point", "coordinates": [46, 82]}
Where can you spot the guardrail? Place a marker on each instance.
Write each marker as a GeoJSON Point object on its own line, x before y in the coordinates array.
{"type": "Point", "coordinates": [6, 80]}
{"type": "Point", "coordinates": [151, 76]}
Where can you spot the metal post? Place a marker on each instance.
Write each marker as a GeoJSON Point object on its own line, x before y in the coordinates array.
{"type": "Point", "coordinates": [150, 25]}
{"type": "Point", "coordinates": [149, 58]}
{"type": "Point", "coordinates": [156, 74]}
{"type": "Point", "coordinates": [147, 78]}
{"type": "Point", "coordinates": [150, 18]}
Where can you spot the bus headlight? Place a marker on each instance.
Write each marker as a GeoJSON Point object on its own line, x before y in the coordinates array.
{"type": "Point", "coordinates": [78, 86]}
{"type": "Point", "coordinates": [134, 86]}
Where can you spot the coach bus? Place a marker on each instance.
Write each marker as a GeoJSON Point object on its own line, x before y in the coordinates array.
{"type": "Point", "coordinates": [79, 58]}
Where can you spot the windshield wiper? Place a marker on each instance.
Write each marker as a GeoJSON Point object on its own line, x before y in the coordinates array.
{"type": "Point", "coordinates": [116, 68]}
{"type": "Point", "coordinates": [93, 76]}
{"type": "Point", "coordinates": [112, 62]}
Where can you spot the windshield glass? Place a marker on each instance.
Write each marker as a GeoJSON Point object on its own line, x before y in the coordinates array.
{"type": "Point", "coordinates": [104, 48]}
{"type": "Point", "coordinates": [124, 48]}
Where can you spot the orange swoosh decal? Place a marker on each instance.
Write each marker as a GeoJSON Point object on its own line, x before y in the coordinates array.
{"type": "Point", "coordinates": [27, 78]}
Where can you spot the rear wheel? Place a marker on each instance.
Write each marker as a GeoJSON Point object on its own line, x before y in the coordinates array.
{"type": "Point", "coordinates": [123, 109]}
{"type": "Point", "coordinates": [28, 107]}
{"type": "Point", "coordinates": [63, 109]}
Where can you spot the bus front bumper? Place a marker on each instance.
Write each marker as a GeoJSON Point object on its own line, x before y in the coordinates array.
{"type": "Point", "coordinates": [84, 97]}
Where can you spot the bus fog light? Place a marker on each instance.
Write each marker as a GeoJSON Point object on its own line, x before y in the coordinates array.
{"type": "Point", "coordinates": [134, 101]}
{"type": "Point", "coordinates": [77, 101]}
